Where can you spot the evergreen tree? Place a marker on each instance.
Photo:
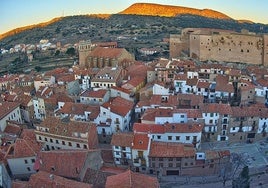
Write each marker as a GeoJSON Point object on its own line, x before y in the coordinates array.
{"type": "Point", "coordinates": [242, 181]}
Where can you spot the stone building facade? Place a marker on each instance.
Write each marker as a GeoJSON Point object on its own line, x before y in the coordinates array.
{"type": "Point", "coordinates": [96, 56]}
{"type": "Point", "coordinates": [221, 45]}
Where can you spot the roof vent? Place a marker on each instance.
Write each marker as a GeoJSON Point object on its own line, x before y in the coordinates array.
{"type": "Point", "coordinates": [51, 176]}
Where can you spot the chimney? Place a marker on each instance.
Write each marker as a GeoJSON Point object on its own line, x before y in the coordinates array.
{"type": "Point", "coordinates": [51, 177]}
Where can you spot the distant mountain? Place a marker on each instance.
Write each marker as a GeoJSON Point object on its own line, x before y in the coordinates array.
{"type": "Point", "coordinates": [150, 9]}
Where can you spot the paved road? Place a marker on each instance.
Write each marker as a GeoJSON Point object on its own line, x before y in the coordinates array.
{"type": "Point", "coordinates": [255, 154]}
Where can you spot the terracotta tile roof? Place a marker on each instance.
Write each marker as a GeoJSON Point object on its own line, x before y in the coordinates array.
{"type": "Point", "coordinates": [133, 82]}
{"type": "Point", "coordinates": [217, 108]}
{"type": "Point", "coordinates": [107, 156]}
{"type": "Point", "coordinates": [233, 72]}
{"type": "Point", "coordinates": [122, 139]}
{"type": "Point", "coordinates": [183, 128]}
{"type": "Point", "coordinates": [95, 94]}
{"type": "Point", "coordinates": [13, 129]}
{"type": "Point", "coordinates": [191, 113]}
{"type": "Point", "coordinates": [66, 78]}
{"type": "Point", "coordinates": [106, 52]}
{"type": "Point", "coordinates": [137, 70]}
{"type": "Point", "coordinates": [167, 128]}
{"type": "Point", "coordinates": [85, 72]}
{"type": "Point", "coordinates": [151, 113]}
{"type": "Point", "coordinates": [108, 74]}
{"type": "Point", "coordinates": [106, 44]}
{"type": "Point", "coordinates": [143, 103]}
{"type": "Point", "coordinates": [246, 111]}
{"type": "Point", "coordinates": [59, 127]}
{"type": "Point", "coordinates": [222, 84]}
{"type": "Point", "coordinates": [131, 179]}
{"type": "Point", "coordinates": [180, 77]}
{"type": "Point", "coordinates": [10, 98]}
{"type": "Point", "coordinates": [140, 141]}
{"type": "Point", "coordinates": [79, 109]}
{"type": "Point", "coordinates": [120, 89]}
{"type": "Point", "coordinates": [119, 106]}
{"type": "Point", "coordinates": [53, 162]}
{"type": "Point", "coordinates": [57, 71]}
{"type": "Point", "coordinates": [24, 100]}
{"type": "Point", "coordinates": [28, 133]}
{"type": "Point", "coordinates": [45, 179]}
{"type": "Point", "coordinates": [25, 147]}
{"type": "Point", "coordinates": [263, 82]}
{"type": "Point", "coordinates": [191, 81]}
{"type": "Point", "coordinates": [7, 107]}
{"type": "Point", "coordinates": [178, 101]}
{"type": "Point", "coordinates": [148, 128]}
{"type": "Point", "coordinates": [62, 97]}
{"type": "Point", "coordinates": [169, 149]}
{"type": "Point", "coordinates": [202, 84]}
{"type": "Point", "coordinates": [19, 184]}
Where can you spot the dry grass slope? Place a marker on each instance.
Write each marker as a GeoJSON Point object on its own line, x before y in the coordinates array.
{"type": "Point", "coordinates": [170, 11]}
{"type": "Point", "coordinates": [21, 29]}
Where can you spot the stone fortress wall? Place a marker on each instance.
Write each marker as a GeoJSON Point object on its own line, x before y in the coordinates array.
{"type": "Point", "coordinates": [221, 45]}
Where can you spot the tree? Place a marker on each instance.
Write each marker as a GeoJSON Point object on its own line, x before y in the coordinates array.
{"type": "Point", "coordinates": [37, 68]}
{"type": "Point", "coordinates": [57, 53]}
{"type": "Point", "coordinates": [71, 51]}
{"type": "Point", "coordinates": [242, 181]}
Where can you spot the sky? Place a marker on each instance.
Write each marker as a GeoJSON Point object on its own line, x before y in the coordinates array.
{"type": "Point", "coordinates": [18, 13]}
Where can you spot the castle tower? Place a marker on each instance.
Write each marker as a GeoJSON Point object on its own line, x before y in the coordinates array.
{"type": "Point", "coordinates": [265, 50]}
{"type": "Point", "coordinates": [174, 46]}
{"type": "Point", "coordinates": [84, 49]}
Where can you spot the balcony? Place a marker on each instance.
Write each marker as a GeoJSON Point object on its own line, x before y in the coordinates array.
{"type": "Point", "coordinates": [140, 161]}
{"type": "Point", "coordinates": [116, 122]}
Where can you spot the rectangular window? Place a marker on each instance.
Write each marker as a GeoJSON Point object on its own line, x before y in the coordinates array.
{"type": "Point", "coordinates": [158, 137]}
{"type": "Point", "coordinates": [57, 141]}
{"type": "Point", "coordinates": [70, 143]}
{"type": "Point", "coordinates": [160, 159]}
{"type": "Point", "coordinates": [170, 159]}
{"type": "Point", "coordinates": [78, 145]}
{"type": "Point", "coordinates": [211, 114]}
{"type": "Point", "coordinates": [33, 160]}
{"type": "Point", "coordinates": [29, 169]}
{"type": "Point", "coordinates": [169, 137]}
{"type": "Point", "coordinates": [177, 137]}
{"type": "Point", "coordinates": [51, 140]}
{"type": "Point", "coordinates": [63, 143]}
{"type": "Point", "coordinates": [187, 137]}
{"type": "Point", "coordinates": [25, 161]}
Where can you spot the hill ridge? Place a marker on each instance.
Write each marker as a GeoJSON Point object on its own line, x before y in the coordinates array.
{"type": "Point", "coordinates": [153, 9]}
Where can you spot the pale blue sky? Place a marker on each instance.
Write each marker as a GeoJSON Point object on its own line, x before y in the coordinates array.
{"type": "Point", "coordinates": [18, 13]}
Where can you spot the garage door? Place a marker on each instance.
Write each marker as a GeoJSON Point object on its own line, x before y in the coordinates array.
{"type": "Point", "coordinates": [173, 172]}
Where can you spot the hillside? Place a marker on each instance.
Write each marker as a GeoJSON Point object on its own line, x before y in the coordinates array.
{"type": "Point", "coordinates": [150, 9]}
{"type": "Point", "coordinates": [29, 27]}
